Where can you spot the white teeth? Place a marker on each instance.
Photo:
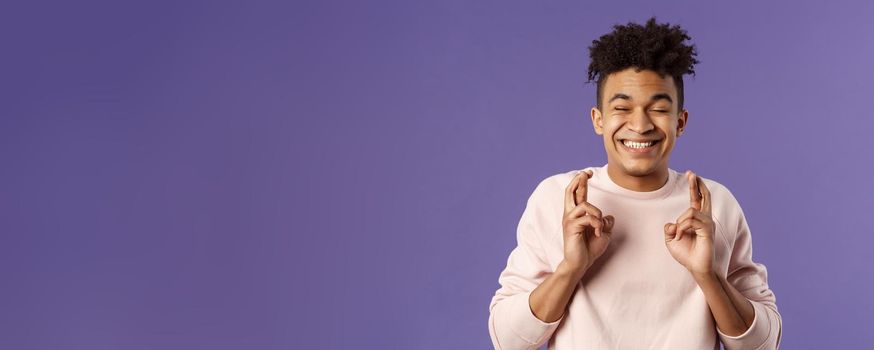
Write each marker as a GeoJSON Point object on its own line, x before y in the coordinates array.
{"type": "Point", "coordinates": [633, 144]}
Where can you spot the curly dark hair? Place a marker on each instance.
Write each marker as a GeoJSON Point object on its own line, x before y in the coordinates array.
{"type": "Point", "coordinates": [653, 46]}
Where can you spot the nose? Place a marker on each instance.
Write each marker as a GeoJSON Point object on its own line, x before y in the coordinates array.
{"type": "Point", "coordinates": [640, 122]}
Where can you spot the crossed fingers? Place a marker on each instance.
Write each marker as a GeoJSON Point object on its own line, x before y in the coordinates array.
{"type": "Point", "coordinates": [576, 204]}
{"type": "Point", "coordinates": [698, 216]}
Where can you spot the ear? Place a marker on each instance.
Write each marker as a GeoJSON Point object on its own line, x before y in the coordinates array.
{"type": "Point", "coordinates": [682, 119]}
{"type": "Point", "coordinates": [597, 121]}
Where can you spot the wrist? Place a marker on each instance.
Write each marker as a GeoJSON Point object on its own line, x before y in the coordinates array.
{"type": "Point", "coordinates": [705, 277]}
{"type": "Point", "coordinates": [567, 269]}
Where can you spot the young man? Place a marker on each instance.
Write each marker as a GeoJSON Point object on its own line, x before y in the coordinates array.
{"type": "Point", "coordinates": [633, 254]}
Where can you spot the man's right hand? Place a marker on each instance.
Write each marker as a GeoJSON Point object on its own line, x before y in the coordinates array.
{"type": "Point", "coordinates": [586, 232]}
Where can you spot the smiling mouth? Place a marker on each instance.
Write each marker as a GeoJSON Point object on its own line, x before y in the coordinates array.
{"type": "Point", "coordinates": [639, 147]}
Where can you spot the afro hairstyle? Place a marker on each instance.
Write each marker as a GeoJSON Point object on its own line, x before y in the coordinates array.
{"type": "Point", "coordinates": [652, 46]}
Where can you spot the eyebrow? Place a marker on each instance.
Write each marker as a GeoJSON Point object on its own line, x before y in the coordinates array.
{"type": "Point", "coordinates": [659, 96]}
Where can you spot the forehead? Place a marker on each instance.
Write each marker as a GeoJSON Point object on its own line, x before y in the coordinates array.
{"type": "Point", "coordinates": [640, 86]}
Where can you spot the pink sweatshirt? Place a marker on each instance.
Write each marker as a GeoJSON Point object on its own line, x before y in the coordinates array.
{"type": "Point", "coordinates": [635, 296]}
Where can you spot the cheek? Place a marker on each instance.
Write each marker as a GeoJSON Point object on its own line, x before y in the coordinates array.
{"type": "Point", "coordinates": [670, 129]}
{"type": "Point", "coordinates": [610, 126]}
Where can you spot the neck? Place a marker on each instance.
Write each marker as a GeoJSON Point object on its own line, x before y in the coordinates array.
{"type": "Point", "coordinates": [646, 183]}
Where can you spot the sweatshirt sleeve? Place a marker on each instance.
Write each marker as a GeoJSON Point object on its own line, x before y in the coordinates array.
{"type": "Point", "coordinates": [512, 324]}
{"type": "Point", "coordinates": [751, 280]}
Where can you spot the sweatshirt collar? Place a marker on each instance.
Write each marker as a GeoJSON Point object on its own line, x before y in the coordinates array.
{"type": "Point", "coordinates": [599, 175]}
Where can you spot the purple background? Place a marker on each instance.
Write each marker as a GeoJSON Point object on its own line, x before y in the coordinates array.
{"type": "Point", "coordinates": [278, 175]}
